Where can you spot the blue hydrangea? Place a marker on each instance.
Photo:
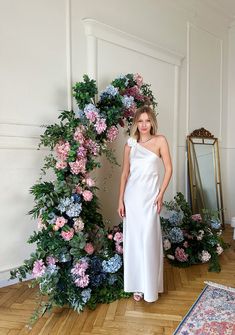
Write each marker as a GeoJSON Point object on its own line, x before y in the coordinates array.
{"type": "Point", "coordinates": [76, 197]}
{"type": "Point", "coordinates": [174, 217]}
{"type": "Point", "coordinates": [97, 279]}
{"type": "Point", "coordinates": [127, 101]}
{"type": "Point", "coordinates": [113, 264]}
{"type": "Point", "coordinates": [74, 210]}
{"type": "Point", "coordinates": [215, 223]}
{"type": "Point", "coordinates": [176, 235]}
{"type": "Point", "coordinates": [86, 294]}
{"type": "Point", "coordinates": [67, 205]}
{"type": "Point", "coordinates": [110, 90]}
{"type": "Point", "coordinates": [96, 264]}
{"type": "Point", "coordinates": [52, 268]}
{"type": "Point", "coordinates": [80, 114]}
{"type": "Point", "coordinates": [90, 107]}
{"type": "Point", "coordinates": [112, 279]}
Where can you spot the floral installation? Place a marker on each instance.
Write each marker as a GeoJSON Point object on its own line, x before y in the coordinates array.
{"type": "Point", "coordinates": [77, 261]}
{"type": "Point", "coordinates": [191, 238]}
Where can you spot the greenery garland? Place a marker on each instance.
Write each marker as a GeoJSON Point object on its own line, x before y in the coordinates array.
{"type": "Point", "coordinates": [78, 261]}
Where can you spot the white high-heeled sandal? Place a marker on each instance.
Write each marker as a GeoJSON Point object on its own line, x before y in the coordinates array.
{"type": "Point", "coordinates": [138, 296]}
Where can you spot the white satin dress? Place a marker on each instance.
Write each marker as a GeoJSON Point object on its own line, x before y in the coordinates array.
{"type": "Point", "coordinates": [142, 237]}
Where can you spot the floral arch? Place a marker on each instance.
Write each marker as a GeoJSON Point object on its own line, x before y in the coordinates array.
{"type": "Point", "coordinates": [78, 261]}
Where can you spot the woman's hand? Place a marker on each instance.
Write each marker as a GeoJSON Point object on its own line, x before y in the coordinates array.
{"type": "Point", "coordinates": [121, 209]}
{"type": "Point", "coordinates": [158, 202]}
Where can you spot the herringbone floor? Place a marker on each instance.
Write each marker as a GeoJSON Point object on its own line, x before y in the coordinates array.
{"type": "Point", "coordinates": [182, 286]}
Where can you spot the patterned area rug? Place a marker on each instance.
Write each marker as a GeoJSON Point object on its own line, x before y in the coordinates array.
{"type": "Point", "coordinates": [213, 313]}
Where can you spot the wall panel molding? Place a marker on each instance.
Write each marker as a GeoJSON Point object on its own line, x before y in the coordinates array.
{"type": "Point", "coordinates": [96, 31]}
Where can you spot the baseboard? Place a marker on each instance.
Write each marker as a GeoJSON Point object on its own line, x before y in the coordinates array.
{"type": "Point", "coordinates": [5, 281]}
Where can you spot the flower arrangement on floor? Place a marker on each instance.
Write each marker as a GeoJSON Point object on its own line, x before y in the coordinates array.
{"type": "Point", "coordinates": [191, 239]}
{"type": "Point", "coordinates": [77, 259]}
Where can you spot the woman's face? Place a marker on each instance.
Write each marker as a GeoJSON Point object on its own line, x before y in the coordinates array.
{"type": "Point", "coordinates": [144, 124]}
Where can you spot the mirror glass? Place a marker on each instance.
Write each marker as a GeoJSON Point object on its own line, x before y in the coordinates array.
{"type": "Point", "coordinates": [204, 173]}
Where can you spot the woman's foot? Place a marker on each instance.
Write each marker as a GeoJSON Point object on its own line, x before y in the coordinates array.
{"type": "Point", "coordinates": [138, 296]}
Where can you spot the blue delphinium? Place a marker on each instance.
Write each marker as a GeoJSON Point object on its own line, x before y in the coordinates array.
{"type": "Point", "coordinates": [176, 235]}
{"type": "Point", "coordinates": [110, 90]}
{"type": "Point", "coordinates": [113, 264]}
{"type": "Point", "coordinates": [86, 294]}
{"type": "Point", "coordinates": [127, 101]}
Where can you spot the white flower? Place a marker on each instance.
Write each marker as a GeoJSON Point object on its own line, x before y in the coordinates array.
{"type": "Point", "coordinates": [219, 249]}
{"type": "Point", "coordinates": [204, 256]}
{"type": "Point", "coordinates": [170, 257]}
{"type": "Point", "coordinates": [131, 142]}
{"type": "Point", "coordinates": [166, 244]}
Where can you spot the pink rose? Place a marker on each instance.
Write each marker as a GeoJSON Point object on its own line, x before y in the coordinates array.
{"type": "Point", "coordinates": [55, 227]}
{"type": "Point", "coordinates": [90, 182]}
{"type": "Point", "coordinates": [87, 195]}
{"type": "Point", "coordinates": [118, 237]}
{"type": "Point", "coordinates": [110, 236]}
{"type": "Point", "coordinates": [78, 189]}
{"type": "Point", "coordinates": [60, 221]}
{"type": "Point", "coordinates": [89, 248]}
{"type": "Point", "coordinates": [78, 225]}
{"type": "Point", "coordinates": [67, 235]}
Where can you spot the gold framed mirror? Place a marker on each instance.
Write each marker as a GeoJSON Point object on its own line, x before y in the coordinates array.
{"type": "Point", "coordinates": [204, 173]}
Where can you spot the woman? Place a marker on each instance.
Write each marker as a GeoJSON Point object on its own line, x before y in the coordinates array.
{"type": "Point", "coordinates": [140, 203]}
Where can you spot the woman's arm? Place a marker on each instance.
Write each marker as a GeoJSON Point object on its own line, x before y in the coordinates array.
{"type": "Point", "coordinates": [124, 176]}
{"type": "Point", "coordinates": [166, 158]}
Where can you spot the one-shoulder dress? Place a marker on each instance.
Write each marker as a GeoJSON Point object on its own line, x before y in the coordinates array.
{"type": "Point", "coordinates": [142, 237]}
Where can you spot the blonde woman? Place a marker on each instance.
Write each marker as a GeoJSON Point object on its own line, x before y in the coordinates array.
{"type": "Point", "coordinates": [140, 203]}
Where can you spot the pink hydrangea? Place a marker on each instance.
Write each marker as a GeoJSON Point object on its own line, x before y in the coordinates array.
{"type": "Point", "coordinates": [118, 237]}
{"type": "Point", "coordinates": [112, 133]}
{"type": "Point", "coordinates": [119, 248]}
{"type": "Point", "coordinates": [80, 268]}
{"type": "Point", "coordinates": [67, 235]}
{"type": "Point", "coordinates": [78, 166]}
{"type": "Point", "coordinates": [78, 135]}
{"type": "Point", "coordinates": [60, 165]}
{"type": "Point", "coordinates": [82, 281]}
{"type": "Point", "coordinates": [92, 115]}
{"type": "Point", "coordinates": [51, 260]}
{"type": "Point", "coordinates": [92, 146]}
{"type": "Point", "coordinates": [61, 221]}
{"type": "Point", "coordinates": [100, 125]}
{"type": "Point", "coordinates": [89, 248]}
{"type": "Point", "coordinates": [78, 225]}
{"type": "Point", "coordinates": [135, 93]}
{"type": "Point", "coordinates": [39, 268]}
{"type": "Point", "coordinates": [81, 152]}
{"type": "Point", "coordinates": [130, 112]}
{"type": "Point", "coordinates": [181, 255]}
{"type": "Point", "coordinates": [62, 149]}
{"type": "Point", "coordinates": [138, 79]}
{"type": "Point", "coordinates": [196, 217]}
{"type": "Point", "coordinates": [87, 195]}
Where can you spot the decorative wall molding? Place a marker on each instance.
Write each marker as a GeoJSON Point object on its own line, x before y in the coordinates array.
{"type": "Point", "coordinates": [96, 31]}
{"type": "Point", "coordinates": [20, 136]}
{"type": "Point", "coordinates": [69, 55]}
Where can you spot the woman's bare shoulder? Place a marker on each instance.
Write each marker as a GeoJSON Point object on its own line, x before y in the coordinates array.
{"type": "Point", "coordinates": [160, 139]}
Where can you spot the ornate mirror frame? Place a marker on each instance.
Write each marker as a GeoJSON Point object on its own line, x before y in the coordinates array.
{"type": "Point", "coordinates": [204, 172]}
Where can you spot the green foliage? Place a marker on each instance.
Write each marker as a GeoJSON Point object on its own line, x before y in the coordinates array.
{"type": "Point", "coordinates": [84, 92]}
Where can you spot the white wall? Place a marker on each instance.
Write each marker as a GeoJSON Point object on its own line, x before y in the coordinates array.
{"type": "Point", "coordinates": [39, 56]}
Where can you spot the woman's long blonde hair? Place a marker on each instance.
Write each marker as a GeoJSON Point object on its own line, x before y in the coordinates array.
{"type": "Point", "coordinates": [134, 132]}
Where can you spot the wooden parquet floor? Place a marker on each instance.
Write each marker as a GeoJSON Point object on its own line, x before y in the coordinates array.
{"type": "Point", "coordinates": [182, 286]}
